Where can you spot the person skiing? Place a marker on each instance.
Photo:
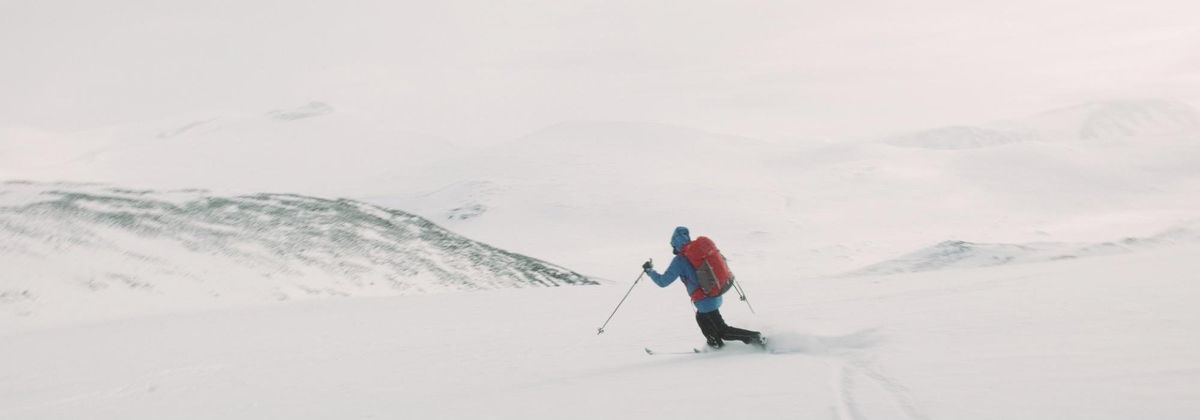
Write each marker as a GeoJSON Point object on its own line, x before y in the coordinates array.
{"type": "Point", "coordinates": [708, 314]}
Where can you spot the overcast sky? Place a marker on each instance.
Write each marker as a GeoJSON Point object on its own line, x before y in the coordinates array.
{"type": "Point", "coordinates": [495, 70]}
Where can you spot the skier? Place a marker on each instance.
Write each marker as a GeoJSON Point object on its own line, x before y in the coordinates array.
{"type": "Point", "coordinates": [708, 314]}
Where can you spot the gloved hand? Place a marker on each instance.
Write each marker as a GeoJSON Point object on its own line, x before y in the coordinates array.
{"type": "Point", "coordinates": [648, 266]}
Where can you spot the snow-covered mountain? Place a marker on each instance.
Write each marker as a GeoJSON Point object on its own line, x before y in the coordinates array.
{"type": "Point", "coordinates": [961, 137]}
{"type": "Point", "coordinates": [603, 196]}
{"type": "Point", "coordinates": [80, 248]}
{"type": "Point", "coordinates": [1137, 120]}
{"type": "Point", "coordinates": [963, 254]}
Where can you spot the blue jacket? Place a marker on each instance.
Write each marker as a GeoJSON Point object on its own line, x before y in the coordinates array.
{"type": "Point", "coordinates": [680, 268]}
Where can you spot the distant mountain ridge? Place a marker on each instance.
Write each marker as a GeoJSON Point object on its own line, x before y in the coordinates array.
{"type": "Point", "coordinates": [1116, 120]}
{"type": "Point", "coordinates": [963, 254]}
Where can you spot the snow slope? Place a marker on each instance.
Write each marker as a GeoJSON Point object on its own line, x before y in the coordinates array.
{"type": "Point", "coordinates": [75, 252]}
{"type": "Point", "coordinates": [1109, 337]}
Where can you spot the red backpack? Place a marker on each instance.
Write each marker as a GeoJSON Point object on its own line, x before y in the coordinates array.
{"type": "Point", "coordinates": [711, 270]}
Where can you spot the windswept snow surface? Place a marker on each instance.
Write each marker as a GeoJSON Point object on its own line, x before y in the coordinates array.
{"type": "Point", "coordinates": [1109, 337]}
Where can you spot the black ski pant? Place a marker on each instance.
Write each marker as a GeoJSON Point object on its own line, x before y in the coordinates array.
{"type": "Point", "coordinates": [715, 330]}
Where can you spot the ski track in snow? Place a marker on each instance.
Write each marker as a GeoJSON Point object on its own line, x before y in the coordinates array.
{"type": "Point", "coordinates": [856, 378]}
{"type": "Point", "coordinates": [895, 392]}
{"type": "Point", "coordinates": [844, 407]}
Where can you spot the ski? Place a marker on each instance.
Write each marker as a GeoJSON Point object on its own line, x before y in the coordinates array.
{"type": "Point", "coordinates": [658, 353]}
{"type": "Point", "coordinates": [696, 350]}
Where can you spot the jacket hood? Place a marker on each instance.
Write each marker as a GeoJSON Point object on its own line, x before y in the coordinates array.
{"type": "Point", "coordinates": [680, 238]}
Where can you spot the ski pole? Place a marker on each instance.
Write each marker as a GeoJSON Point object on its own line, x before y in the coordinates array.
{"type": "Point", "coordinates": [742, 297]}
{"type": "Point", "coordinates": [614, 312]}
